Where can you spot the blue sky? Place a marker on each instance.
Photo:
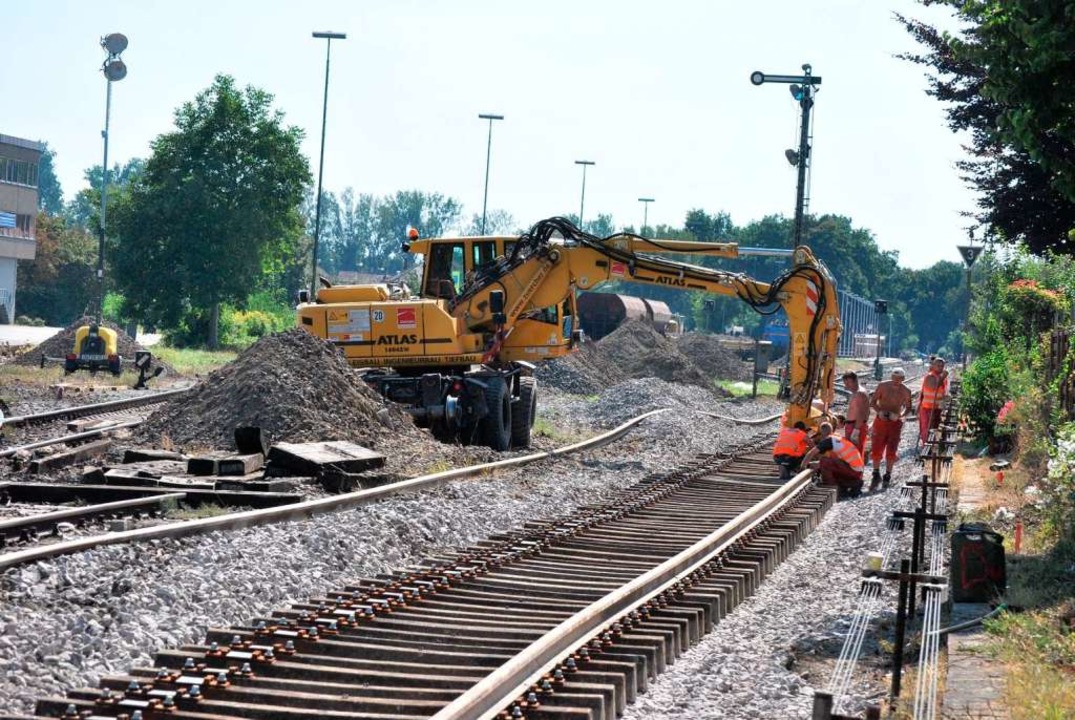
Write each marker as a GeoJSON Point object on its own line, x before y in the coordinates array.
{"type": "Point", "coordinates": [657, 94]}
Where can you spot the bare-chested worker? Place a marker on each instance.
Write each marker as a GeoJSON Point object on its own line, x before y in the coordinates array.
{"type": "Point", "coordinates": [892, 400]}
{"type": "Point", "coordinates": [857, 422]}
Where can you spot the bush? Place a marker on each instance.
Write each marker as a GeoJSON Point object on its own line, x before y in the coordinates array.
{"type": "Point", "coordinates": [1059, 486]}
{"type": "Point", "coordinates": [241, 328]}
{"type": "Point", "coordinates": [986, 387]}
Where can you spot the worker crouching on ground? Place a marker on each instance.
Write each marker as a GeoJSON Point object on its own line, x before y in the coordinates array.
{"type": "Point", "coordinates": [840, 462]}
{"type": "Point", "coordinates": [858, 412]}
{"type": "Point", "coordinates": [934, 390]}
{"type": "Point", "coordinates": [892, 400]}
{"type": "Point", "coordinates": [791, 447]}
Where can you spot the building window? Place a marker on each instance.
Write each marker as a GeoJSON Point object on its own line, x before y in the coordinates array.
{"type": "Point", "coordinates": [23, 223]}
{"type": "Point", "coordinates": [18, 171]}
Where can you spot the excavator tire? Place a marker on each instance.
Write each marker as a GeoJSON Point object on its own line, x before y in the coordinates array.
{"type": "Point", "coordinates": [523, 412]}
{"type": "Point", "coordinates": [496, 426]}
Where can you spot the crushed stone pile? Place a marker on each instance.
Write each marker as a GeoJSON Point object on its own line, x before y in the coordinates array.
{"type": "Point", "coordinates": [712, 357]}
{"type": "Point", "coordinates": [62, 343]}
{"type": "Point", "coordinates": [633, 350]}
{"type": "Point", "coordinates": [586, 372]}
{"type": "Point", "coordinates": [297, 388]}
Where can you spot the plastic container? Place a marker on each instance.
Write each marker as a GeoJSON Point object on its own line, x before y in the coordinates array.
{"type": "Point", "coordinates": [977, 571]}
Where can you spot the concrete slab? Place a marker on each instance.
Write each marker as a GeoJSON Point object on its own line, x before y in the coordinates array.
{"type": "Point", "coordinates": [975, 685]}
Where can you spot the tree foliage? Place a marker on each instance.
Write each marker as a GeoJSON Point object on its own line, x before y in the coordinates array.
{"type": "Point", "coordinates": [365, 233]}
{"type": "Point", "coordinates": [85, 207]}
{"type": "Point", "coordinates": [215, 207]}
{"type": "Point", "coordinates": [1005, 79]}
{"type": "Point", "coordinates": [59, 283]}
{"type": "Point", "coordinates": [49, 192]}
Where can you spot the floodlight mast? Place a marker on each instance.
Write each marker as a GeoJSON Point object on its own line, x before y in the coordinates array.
{"type": "Point", "coordinates": [582, 202]}
{"type": "Point", "coordinates": [329, 36]}
{"type": "Point", "coordinates": [803, 88]}
{"type": "Point", "coordinates": [645, 212]}
{"type": "Point", "coordinates": [114, 70]}
{"type": "Point", "coordinates": [488, 151]}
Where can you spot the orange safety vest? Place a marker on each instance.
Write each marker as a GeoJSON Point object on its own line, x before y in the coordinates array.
{"type": "Point", "coordinates": [847, 452]}
{"type": "Point", "coordinates": [931, 398]}
{"type": "Point", "coordinates": [791, 441]}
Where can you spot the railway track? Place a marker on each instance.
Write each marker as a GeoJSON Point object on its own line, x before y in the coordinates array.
{"type": "Point", "coordinates": [560, 619]}
{"type": "Point", "coordinates": [111, 414]}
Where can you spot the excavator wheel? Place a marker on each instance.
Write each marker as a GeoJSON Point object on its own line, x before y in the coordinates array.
{"type": "Point", "coordinates": [496, 426]}
{"type": "Point", "coordinates": [523, 412]}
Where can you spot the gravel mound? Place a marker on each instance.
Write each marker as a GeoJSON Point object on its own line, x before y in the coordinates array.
{"type": "Point", "coordinates": [634, 350]}
{"type": "Point", "coordinates": [585, 372]}
{"type": "Point", "coordinates": [298, 388]}
{"type": "Point", "coordinates": [61, 343]}
{"type": "Point", "coordinates": [712, 357]}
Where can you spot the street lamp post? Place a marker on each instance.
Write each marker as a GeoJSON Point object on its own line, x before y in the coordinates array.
{"type": "Point", "coordinates": [114, 70]}
{"type": "Point", "coordinates": [645, 212]}
{"type": "Point", "coordinates": [582, 203]}
{"type": "Point", "coordinates": [803, 88]}
{"type": "Point", "coordinates": [329, 37]}
{"type": "Point", "coordinates": [488, 150]}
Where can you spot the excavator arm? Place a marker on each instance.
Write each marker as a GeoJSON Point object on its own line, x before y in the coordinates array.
{"type": "Point", "coordinates": [555, 259]}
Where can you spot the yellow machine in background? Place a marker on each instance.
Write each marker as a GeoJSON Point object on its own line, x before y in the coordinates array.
{"type": "Point", "coordinates": [95, 348]}
{"type": "Point", "coordinates": [460, 356]}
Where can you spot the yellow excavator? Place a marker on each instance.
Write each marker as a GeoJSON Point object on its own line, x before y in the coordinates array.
{"type": "Point", "coordinates": [460, 356]}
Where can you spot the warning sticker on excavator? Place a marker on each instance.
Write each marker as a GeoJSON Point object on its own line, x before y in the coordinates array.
{"type": "Point", "coordinates": [618, 268]}
{"type": "Point", "coordinates": [800, 343]}
{"type": "Point", "coordinates": [348, 322]}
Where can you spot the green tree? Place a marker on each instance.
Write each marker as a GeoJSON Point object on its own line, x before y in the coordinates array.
{"type": "Point", "coordinates": [497, 222]}
{"type": "Point", "coordinates": [84, 209]}
{"type": "Point", "coordinates": [707, 227]}
{"type": "Point", "coordinates": [218, 202]}
{"type": "Point", "coordinates": [58, 284]}
{"type": "Point", "coordinates": [430, 213]}
{"type": "Point", "coordinates": [1005, 78]}
{"type": "Point", "coordinates": [49, 192]}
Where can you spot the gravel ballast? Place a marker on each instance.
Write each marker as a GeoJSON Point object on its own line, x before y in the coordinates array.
{"type": "Point", "coordinates": [67, 621]}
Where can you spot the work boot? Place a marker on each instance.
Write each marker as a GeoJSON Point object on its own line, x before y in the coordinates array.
{"type": "Point", "coordinates": [886, 480]}
{"type": "Point", "coordinates": [875, 480]}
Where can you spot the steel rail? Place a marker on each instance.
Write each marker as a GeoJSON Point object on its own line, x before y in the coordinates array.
{"type": "Point", "coordinates": [68, 438]}
{"type": "Point", "coordinates": [743, 421]}
{"type": "Point", "coordinates": [309, 508]}
{"type": "Point", "coordinates": [94, 408]}
{"type": "Point", "coordinates": [15, 526]}
{"type": "Point", "coordinates": [497, 690]}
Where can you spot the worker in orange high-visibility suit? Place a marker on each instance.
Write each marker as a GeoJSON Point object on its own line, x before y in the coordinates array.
{"type": "Point", "coordinates": [934, 390]}
{"type": "Point", "coordinates": [791, 447]}
{"type": "Point", "coordinates": [840, 462]}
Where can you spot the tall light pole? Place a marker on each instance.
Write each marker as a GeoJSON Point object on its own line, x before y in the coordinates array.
{"type": "Point", "coordinates": [114, 70]}
{"type": "Point", "coordinates": [488, 151]}
{"type": "Point", "coordinates": [582, 203]}
{"type": "Point", "coordinates": [645, 213]}
{"type": "Point", "coordinates": [329, 37]}
{"type": "Point", "coordinates": [803, 88]}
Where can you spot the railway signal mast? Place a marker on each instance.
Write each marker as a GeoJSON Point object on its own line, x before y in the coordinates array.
{"type": "Point", "coordinates": [803, 88]}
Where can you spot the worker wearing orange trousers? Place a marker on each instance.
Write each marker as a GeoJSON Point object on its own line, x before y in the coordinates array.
{"type": "Point", "coordinates": [934, 390]}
